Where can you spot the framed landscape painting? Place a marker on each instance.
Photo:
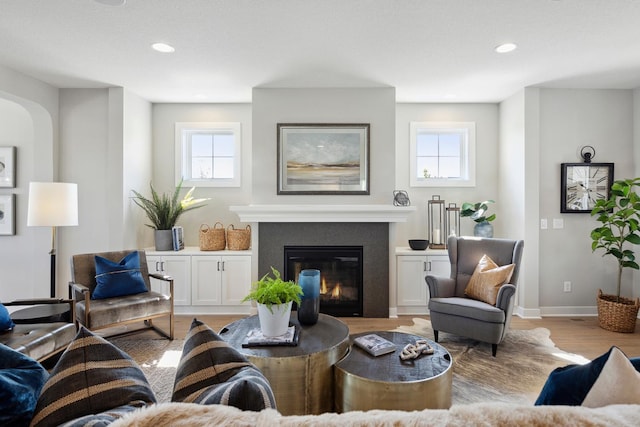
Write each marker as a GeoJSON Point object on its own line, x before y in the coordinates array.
{"type": "Point", "coordinates": [323, 158]}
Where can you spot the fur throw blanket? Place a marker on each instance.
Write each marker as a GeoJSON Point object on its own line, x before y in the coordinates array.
{"type": "Point", "coordinates": [480, 414]}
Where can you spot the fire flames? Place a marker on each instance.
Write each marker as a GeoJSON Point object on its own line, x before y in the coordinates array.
{"type": "Point", "coordinates": [334, 293]}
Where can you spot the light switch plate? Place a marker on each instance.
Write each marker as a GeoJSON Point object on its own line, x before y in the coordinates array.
{"type": "Point", "coordinates": [558, 223]}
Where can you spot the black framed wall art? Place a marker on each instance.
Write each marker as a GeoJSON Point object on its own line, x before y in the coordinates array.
{"type": "Point", "coordinates": [581, 184]}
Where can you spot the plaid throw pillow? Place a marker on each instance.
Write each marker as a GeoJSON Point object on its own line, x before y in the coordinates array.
{"type": "Point", "coordinates": [212, 372]}
{"type": "Point", "coordinates": [92, 376]}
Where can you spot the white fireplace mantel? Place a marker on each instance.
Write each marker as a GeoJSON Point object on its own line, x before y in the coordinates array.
{"type": "Point", "coordinates": [323, 213]}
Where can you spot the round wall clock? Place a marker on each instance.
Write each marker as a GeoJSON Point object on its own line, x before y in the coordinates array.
{"type": "Point", "coordinates": [582, 184]}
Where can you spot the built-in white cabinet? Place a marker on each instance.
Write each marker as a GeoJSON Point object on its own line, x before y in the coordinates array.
{"type": "Point", "coordinates": [411, 269]}
{"type": "Point", "coordinates": [206, 282]}
{"type": "Point", "coordinates": [176, 266]}
{"type": "Point", "coordinates": [220, 280]}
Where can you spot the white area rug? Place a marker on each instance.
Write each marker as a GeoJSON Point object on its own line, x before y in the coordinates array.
{"type": "Point", "coordinates": [517, 373]}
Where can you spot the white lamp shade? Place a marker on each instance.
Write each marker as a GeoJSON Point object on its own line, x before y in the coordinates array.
{"type": "Point", "coordinates": [52, 204]}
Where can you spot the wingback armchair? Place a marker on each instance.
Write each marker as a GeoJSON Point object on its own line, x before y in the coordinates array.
{"type": "Point", "coordinates": [117, 310]}
{"type": "Point", "coordinates": [453, 312]}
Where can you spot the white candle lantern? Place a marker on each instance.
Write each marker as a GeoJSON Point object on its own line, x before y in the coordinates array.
{"type": "Point", "coordinates": [453, 220]}
{"type": "Point", "coordinates": [436, 223]}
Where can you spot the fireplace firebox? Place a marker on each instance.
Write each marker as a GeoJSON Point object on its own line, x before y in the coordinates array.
{"type": "Point", "coordinates": [340, 275]}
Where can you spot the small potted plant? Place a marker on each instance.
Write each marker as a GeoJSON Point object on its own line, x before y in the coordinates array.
{"type": "Point", "coordinates": [478, 213]}
{"type": "Point", "coordinates": [163, 211]}
{"type": "Point", "coordinates": [274, 298]}
{"type": "Point", "coordinates": [619, 218]}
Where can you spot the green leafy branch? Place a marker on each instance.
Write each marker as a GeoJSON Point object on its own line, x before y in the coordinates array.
{"type": "Point", "coordinates": [274, 291]}
{"type": "Point", "coordinates": [619, 216]}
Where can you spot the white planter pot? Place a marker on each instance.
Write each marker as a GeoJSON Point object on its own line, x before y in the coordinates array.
{"type": "Point", "coordinates": [276, 323]}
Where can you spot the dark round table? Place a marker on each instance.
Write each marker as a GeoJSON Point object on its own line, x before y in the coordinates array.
{"type": "Point", "coordinates": [45, 313]}
{"type": "Point", "coordinates": [365, 382]}
{"type": "Point", "coordinates": [301, 376]}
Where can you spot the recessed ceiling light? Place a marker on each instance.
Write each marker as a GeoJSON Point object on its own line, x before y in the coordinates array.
{"type": "Point", "coordinates": [200, 96]}
{"type": "Point", "coordinates": [163, 47]}
{"type": "Point", "coordinates": [450, 96]}
{"type": "Point", "coordinates": [506, 47]}
{"type": "Point", "coordinates": [112, 2]}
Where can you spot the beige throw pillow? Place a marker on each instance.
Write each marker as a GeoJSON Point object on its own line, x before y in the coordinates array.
{"type": "Point", "coordinates": [617, 384]}
{"type": "Point", "coordinates": [487, 279]}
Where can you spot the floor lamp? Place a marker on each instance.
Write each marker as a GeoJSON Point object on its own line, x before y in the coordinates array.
{"type": "Point", "coordinates": [52, 204]}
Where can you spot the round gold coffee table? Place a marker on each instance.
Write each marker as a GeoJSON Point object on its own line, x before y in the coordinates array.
{"type": "Point", "coordinates": [302, 376]}
{"type": "Point", "coordinates": [365, 382]}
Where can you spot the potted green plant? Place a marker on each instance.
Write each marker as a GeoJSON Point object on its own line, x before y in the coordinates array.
{"type": "Point", "coordinates": [478, 213]}
{"type": "Point", "coordinates": [274, 298]}
{"type": "Point", "coordinates": [619, 218]}
{"type": "Point", "coordinates": [163, 210]}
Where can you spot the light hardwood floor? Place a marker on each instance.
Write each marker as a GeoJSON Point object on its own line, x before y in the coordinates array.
{"type": "Point", "coordinates": [580, 335]}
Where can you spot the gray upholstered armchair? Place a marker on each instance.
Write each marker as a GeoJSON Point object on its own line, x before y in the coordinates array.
{"type": "Point", "coordinates": [453, 312]}
{"type": "Point", "coordinates": [113, 311]}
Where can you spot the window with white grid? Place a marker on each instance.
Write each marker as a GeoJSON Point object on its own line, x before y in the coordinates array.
{"type": "Point", "coordinates": [442, 154]}
{"type": "Point", "coordinates": [208, 154]}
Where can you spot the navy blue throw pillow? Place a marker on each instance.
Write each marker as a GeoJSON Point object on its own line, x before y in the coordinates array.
{"type": "Point", "coordinates": [6, 324]}
{"type": "Point", "coordinates": [118, 279]}
{"type": "Point", "coordinates": [21, 379]}
{"type": "Point", "coordinates": [569, 385]}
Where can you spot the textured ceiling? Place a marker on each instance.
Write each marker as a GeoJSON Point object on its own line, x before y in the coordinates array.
{"type": "Point", "coordinates": [429, 50]}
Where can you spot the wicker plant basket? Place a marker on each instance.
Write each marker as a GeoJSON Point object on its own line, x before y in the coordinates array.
{"type": "Point", "coordinates": [617, 316]}
{"type": "Point", "coordinates": [238, 240]}
{"type": "Point", "coordinates": [212, 239]}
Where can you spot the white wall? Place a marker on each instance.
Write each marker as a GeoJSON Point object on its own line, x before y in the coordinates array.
{"type": "Point", "coordinates": [486, 118]}
{"type": "Point", "coordinates": [136, 154]}
{"type": "Point", "coordinates": [570, 119]}
{"type": "Point", "coordinates": [375, 106]}
{"type": "Point", "coordinates": [105, 146]}
{"type": "Point", "coordinates": [30, 124]}
{"type": "Point", "coordinates": [217, 209]}
{"type": "Point", "coordinates": [518, 183]}
{"type": "Point", "coordinates": [16, 129]}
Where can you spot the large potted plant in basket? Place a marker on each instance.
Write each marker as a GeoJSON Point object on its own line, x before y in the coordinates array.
{"type": "Point", "coordinates": [619, 216]}
{"type": "Point", "coordinates": [478, 213]}
{"type": "Point", "coordinates": [274, 298]}
{"type": "Point", "coordinates": [163, 210]}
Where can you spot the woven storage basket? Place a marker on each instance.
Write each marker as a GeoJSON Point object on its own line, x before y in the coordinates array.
{"type": "Point", "coordinates": [617, 316]}
{"type": "Point", "coordinates": [212, 239]}
{"type": "Point", "coordinates": [238, 240]}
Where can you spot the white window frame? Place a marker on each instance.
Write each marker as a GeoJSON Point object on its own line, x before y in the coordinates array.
{"type": "Point", "coordinates": [467, 154]}
{"type": "Point", "coordinates": [183, 157]}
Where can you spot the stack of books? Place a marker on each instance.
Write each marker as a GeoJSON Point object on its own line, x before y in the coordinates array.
{"type": "Point", "coordinates": [178, 238]}
{"type": "Point", "coordinates": [255, 338]}
{"type": "Point", "coordinates": [374, 344]}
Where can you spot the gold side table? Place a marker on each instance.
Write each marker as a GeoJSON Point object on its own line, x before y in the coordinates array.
{"type": "Point", "coordinates": [302, 376]}
{"type": "Point", "coordinates": [364, 382]}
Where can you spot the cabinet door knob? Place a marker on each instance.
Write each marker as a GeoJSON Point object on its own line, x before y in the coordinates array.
{"type": "Point", "coordinates": [429, 266]}
{"type": "Point", "coordinates": [218, 265]}
{"type": "Point", "coordinates": [222, 265]}
{"type": "Point", "coordinates": [424, 266]}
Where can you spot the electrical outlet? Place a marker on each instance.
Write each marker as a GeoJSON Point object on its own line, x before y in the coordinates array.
{"type": "Point", "coordinates": [567, 286]}
{"type": "Point", "coordinates": [543, 224]}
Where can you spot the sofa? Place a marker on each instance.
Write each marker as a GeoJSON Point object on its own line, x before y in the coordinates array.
{"type": "Point", "coordinates": [216, 385]}
{"type": "Point", "coordinates": [479, 414]}
{"type": "Point", "coordinates": [39, 341]}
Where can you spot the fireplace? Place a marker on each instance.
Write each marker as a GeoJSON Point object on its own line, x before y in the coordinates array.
{"type": "Point", "coordinates": [340, 275]}
{"type": "Point", "coordinates": [368, 225]}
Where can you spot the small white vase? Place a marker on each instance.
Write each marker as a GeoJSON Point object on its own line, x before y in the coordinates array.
{"type": "Point", "coordinates": [276, 323]}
